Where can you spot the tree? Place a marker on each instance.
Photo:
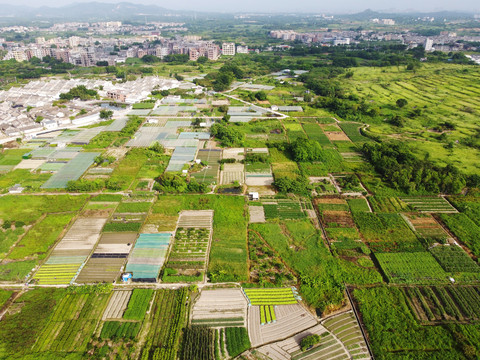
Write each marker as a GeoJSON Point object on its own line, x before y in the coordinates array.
{"type": "Point", "coordinates": [106, 114]}
{"type": "Point", "coordinates": [227, 134]}
{"type": "Point", "coordinates": [174, 183]}
{"type": "Point", "coordinates": [401, 103]}
{"type": "Point", "coordinates": [157, 147]}
{"type": "Point", "coordinates": [79, 92]}
{"type": "Point", "coordinates": [309, 341]}
{"type": "Point", "coordinates": [202, 60]}
{"type": "Point", "coordinates": [223, 81]}
{"type": "Point", "coordinates": [304, 150]}
{"type": "Point", "coordinates": [149, 59]}
{"type": "Point", "coordinates": [397, 121]}
{"type": "Point", "coordinates": [261, 95]}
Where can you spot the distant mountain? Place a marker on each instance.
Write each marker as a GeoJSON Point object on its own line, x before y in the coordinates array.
{"type": "Point", "coordinates": [371, 14]}
{"type": "Point", "coordinates": [87, 11]}
{"type": "Point", "coordinates": [98, 11]}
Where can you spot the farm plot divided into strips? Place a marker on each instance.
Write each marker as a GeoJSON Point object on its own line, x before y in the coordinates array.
{"type": "Point", "coordinates": [286, 316]}
{"type": "Point", "coordinates": [108, 258]}
{"type": "Point", "coordinates": [220, 308]}
{"type": "Point", "coordinates": [189, 255]}
{"type": "Point", "coordinates": [430, 204]}
{"type": "Point", "coordinates": [210, 173]}
{"type": "Point", "coordinates": [285, 208]}
{"type": "Point", "coordinates": [148, 256]}
{"type": "Point", "coordinates": [439, 304]}
{"type": "Point", "coordinates": [71, 252]}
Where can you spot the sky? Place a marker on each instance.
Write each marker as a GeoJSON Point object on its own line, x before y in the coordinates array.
{"type": "Point", "coordinates": [339, 6]}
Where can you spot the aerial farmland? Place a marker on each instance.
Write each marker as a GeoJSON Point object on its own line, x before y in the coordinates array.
{"type": "Point", "coordinates": [304, 209]}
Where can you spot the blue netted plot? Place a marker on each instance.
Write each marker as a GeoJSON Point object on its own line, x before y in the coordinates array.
{"type": "Point", "coordinates": [84, 136]}
{"type": "Point", "coordinates": [145, 136]}
{"type": "Point", "coordinates": [139, 112]}
{"type": "Point", "coordinates": [117, 125]}
{"type": "Point", "coordinates": [174, 143]}
{"type": "Point", "coordinates": [177, 123]}
{"type": "Point", "coordinates": [148, 256]}
{"type": "Point", "coordinates": [71, 171]}
{"type": "Point", "coordinates": [181, 155]}
{"type": "Point", "coordinates": [194, 135]}
{"type": "Point", "coordinates": [166, 111]}
{"type": "Point", "coordinates": [65, 153]}
{"type": "Point", "coordinates": [42, 153]}
{"type": "Point", "coordinates": [52, 166]}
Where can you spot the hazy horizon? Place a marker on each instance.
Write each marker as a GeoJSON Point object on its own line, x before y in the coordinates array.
{"type": "Point", "coordinates": [342, 6]}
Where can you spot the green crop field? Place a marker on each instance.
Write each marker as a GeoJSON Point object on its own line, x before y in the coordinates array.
{"type": "Point", "coordinates": [453, 259]}
{"type": "Point", "coordinates": [168, 318]}
{"type": "Point", "coordinates": [386, 232]}
{"type": "Point", "coordinates": [142, 106]}
{"type": "Point", "coordinates": [353, 133]}
{"type": "Point", "coordinates": [465, 229]}
{"type": "Point", "coordinates": [72, 324]}
{"type": "Point", "coordinates": [358, 205]}
{"type": "Point", "coordinates": [228, 254]}
{"type": "Point", "coordinates": [411, 268]}
{"type": "Point", "coordinates": [393, 327]}
{"type": "Point", "coordinates": [283, 209]}
{"type": "Point", "coordinates": [138, 304]}
{"type": "Point", "coordinates": [41, 237]}
{"type": "Point", "coordinates": [134, 207]}
{"type": "Point", "coordinates": [315, 132]}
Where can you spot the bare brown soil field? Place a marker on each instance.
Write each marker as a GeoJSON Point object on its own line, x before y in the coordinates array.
{"type": "Point", "coordinates": [342, 218]}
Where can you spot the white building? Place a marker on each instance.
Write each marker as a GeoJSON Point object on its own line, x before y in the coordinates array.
{"type": "Point", "coordinates": [342, 41]}
{"type": "Point", "coordinates": [73, 41]}
{"type": "Point", "coordinates": [19, 55]}
{"type": "Point", "coordinates": [228, 49]}
{"type": "Point", "coordinates": [242, 49]}
{"type": "Point", "coordinates": [429, 44]}
{"type": "Point", "coordinates": [161, 52]}
{"type": "Point", "coordinates": [49, 124]}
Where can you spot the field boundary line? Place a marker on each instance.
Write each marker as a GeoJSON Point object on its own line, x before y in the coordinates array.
{"type": "Point", "coordinates": [360, 324]}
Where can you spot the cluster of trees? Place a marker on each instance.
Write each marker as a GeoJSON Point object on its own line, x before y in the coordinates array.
{"type": "Point", "coordinates": [106, 114]}
{"type": "Point", "coordinates": [33, 69]}
{"type": "Point", "coordinates": [175, 183]}
{"type": "Point", "coordinates": [228, 135]}
{"type": "Point", "coordinates": [300, 185]}
{"type": "Point", "coordinates": [304, 150]}
{"type": "Point", "coordinates": [333, 97]}
{"type": "Point", "coordinates": [79, 92]}
{"type": "Point", "coordinates": [226, 75]}
{"type": "Point", "coordinates": [402, 170]}
{"type": "Point", "coordinates": [83, 185]}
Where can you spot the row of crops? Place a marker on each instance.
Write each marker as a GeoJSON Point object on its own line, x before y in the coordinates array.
{"type": "Point", "coordinates": [168, 318]}
{"type": "Point", "coordinates": [430, 204]}
{"type": "Point", "coordinates": [187, 260]}
{"type": "Point", "coordinates": [270, 296]}
{"type": "Point", "coordinates": [282, 209]}
{"type": "Point", "coordinates": [315, 132]}
{"type": "Point", "coordinates": [72, 323]}
{"type": "Point", "coordinates": [267, 314]}
{"type": "Point", "coordinates": [444, 303]}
